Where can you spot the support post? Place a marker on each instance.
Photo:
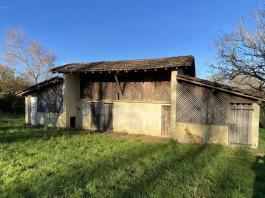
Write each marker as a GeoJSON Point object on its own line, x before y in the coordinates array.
{"type": "Point", "coordinates": [27, 106]}
{"type": "Point", "coordinates": [118, 84]}
{"type": "Point", "coordinates": [173, 110]}
{"type": "Point", "coordinates": [101, 108]}
{"type": "Point", "coordinates": [255, 125]}
{"type": "Point", "coordinates": [71, 98]}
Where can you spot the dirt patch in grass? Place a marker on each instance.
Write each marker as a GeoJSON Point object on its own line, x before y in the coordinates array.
{"type": "Point", "coordinates": [139, 137]}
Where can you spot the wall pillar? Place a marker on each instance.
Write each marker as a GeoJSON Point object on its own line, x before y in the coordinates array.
{"type": "Point", "coordinates": [255, 125]}
{"type": "Point", "coordinates": [173, 110]}
{"type": "Point", "coordinates": [71, 98]}
{"type": "Point", "coordinates": [27, 106]}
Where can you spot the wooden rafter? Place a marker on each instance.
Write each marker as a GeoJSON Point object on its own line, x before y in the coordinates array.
{"type": "Point", "coordinates": [118, 84]}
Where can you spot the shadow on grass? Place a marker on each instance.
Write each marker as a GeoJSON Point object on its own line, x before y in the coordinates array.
{"type": "Point", "coordinates": [137, 169]}
{"type": "Point", "coordinates": [259, 168]}
{"type": "Point", "coordinates": [117, 174]}
{"type": "Point", "coordinates": [13, 130]}
{"type": "Point", "coordinates": [101, 176]}
{"type": "Point", "coordinates": [167, 164]}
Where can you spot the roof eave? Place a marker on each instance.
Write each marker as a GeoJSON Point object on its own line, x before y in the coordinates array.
{"type": "Point", "coordinates": [223, 89]}
{"type": "Point", "coordinates": [38, 86]}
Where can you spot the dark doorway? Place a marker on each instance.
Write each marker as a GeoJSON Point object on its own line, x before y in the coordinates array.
{"type": "Point", "coordinates": [73, 122]}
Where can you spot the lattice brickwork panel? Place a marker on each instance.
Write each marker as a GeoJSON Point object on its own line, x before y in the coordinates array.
{"type": "Point", "coordinates": [201, 105]}
{"type": "Point", "coordinates": [140, 91]}
{"type": "Point", "coordinates": [50, 100]}
{"type": "Point", "coordinates": [132, 91]}
{"type": "Point", "coordinates": [162, 90]}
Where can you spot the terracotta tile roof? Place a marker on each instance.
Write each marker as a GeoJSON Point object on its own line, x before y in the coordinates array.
{"type": "Point", "coordinates": [47, 83]}
{"type": "Point", "coordinates": [144, 64]}
{"type": "Point", "coordinates": [222, 87]}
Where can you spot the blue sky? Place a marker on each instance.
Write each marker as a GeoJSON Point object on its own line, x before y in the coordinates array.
{"type": "Point", "coordinates": [93, 30]}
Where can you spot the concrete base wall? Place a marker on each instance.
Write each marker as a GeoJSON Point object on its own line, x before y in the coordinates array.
{"type": "Point", "coordinates": [255, 125]}
{"type": "Point", "coordinates": [145, 118]}
{"type": "Point", "coordinates": [129, 117]}
{"type": "Point", "coordinates": [201, 133]}
{"type": "Point", "coordinates": [51, 119]}
{"type": "Point", "coordinates": [71, 97]}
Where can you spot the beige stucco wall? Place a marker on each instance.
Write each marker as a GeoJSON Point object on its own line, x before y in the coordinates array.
{"type": "Point", "coordinates": [138, 118]}
{"type": "Point", "coordinates": [129, 117]}
{"type": "Point", "coordinates": [51, 119]}
{"type": "Point", "coordinates": [200, 133]}
{"type": "Point", "coordinates": [71, 97]}
{"type": "Point", "coordinates": [255, 125]}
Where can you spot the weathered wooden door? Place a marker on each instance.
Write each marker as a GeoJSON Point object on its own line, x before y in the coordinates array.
{"type": "Point", "coordinates": [102, 116]}
{"type": "Point", "coordinates": [108, 119]}
{"type": "Point", "coordinates": [95, 116]}
{"type": "Point", "coordinates": [33, 112]}
{"type": "Point", "coordinates": [240, 124]}
{"type": "Point", "coordinates": [28, 109]}
{"type": "Point", "coordinates": [165, 121]}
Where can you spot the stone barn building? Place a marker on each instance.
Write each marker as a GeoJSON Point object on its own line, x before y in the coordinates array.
{"type": "Point", "coordinates": [157, 97]}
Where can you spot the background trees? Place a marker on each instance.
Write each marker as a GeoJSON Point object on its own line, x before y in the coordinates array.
{"type": "Point", "coordinates": [9, 83]}
{"type": "Point", "coordinates": [26, 62]}
{"type": "Point", "coordinates": [29, 58]}
{"type": "Point", "coordinates": [241, 56]}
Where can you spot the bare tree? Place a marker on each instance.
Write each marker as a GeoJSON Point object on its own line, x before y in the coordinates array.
{"type": "Point", "coordinates": [29, 57]}
{"type": "Point", "coordinates": [241, 56]}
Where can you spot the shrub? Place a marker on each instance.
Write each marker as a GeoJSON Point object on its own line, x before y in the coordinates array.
{"type": "Point", "coordinates": [12, 104]}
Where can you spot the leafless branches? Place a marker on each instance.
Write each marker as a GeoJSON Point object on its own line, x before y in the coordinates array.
{"type": "Point", "coordinates": [29, 57]}
{"type": "Point", "coordinates": [241, 55]}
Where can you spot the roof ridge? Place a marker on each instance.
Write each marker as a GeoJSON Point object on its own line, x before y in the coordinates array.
{"type": "Point", "coordinates": [128, 60]}
{"type": "Point", "coordinates": [148, 63]}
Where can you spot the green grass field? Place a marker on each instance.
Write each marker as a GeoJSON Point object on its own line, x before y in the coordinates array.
{"type": "Point", "coordinates": [262, 140]}
{"type": "Point", "coordinates": [47, 162]}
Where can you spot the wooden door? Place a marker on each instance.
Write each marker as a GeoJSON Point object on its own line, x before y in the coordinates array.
{"type": "Point", "coordinates": [165, 121]}
{"type": "Point", "coordinates": [33, 110]}
{"type": "Point", "coordinates": [28, 109]}
{"type": "Point", "coordinates": [240, 124]}
{"type": "Point", "coordinates": [95, 116]}
{"type": "Point", "coordinates": [101, 116]}
{"type": "Point", "coordinates": [108, 119]}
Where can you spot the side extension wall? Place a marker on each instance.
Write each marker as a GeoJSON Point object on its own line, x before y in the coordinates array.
{"type": "Point", "coordinates": [203, 115]}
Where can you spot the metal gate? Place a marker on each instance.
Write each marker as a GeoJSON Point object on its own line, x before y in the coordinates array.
{"type": "Point", "coordinates": [240, 124]}
{"type": "Point", "coordinates": [165, 121]}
